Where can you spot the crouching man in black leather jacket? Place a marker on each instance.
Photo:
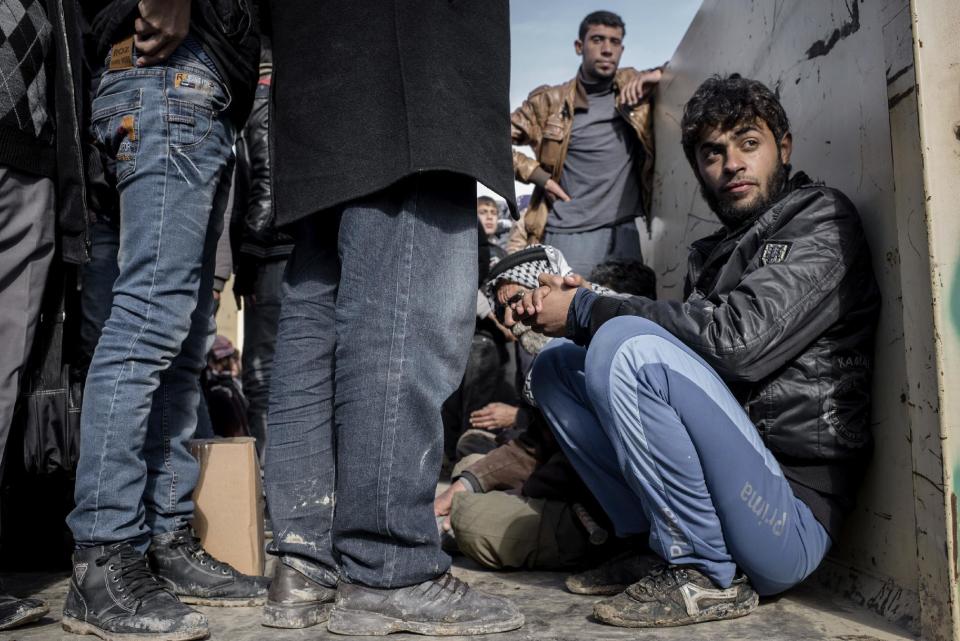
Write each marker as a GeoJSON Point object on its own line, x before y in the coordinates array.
{"type": "Point", "coordinates": [732, 426]}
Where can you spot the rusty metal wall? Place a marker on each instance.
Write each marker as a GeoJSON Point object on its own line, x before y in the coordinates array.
{"type": "Point", "coordinates": [844, 70]}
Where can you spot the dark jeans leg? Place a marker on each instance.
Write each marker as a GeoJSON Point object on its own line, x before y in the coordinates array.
{"type": "Point", "coordinates": [261, 313]}
{"type": "Point", "coordinates": [403, 305]}
{"type": "Point", "coordinates": [300, 459]}
{"type": "Point", "coordinates": [405, 314]}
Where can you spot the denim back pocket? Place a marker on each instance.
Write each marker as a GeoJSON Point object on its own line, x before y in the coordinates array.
{"type": "Point", "coordinates": [115, 125]}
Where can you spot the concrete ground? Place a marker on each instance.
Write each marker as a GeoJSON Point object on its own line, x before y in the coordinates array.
{"type": "Point", "coordinates": [806, 613]}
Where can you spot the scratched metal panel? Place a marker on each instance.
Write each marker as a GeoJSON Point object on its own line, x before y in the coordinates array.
{"type": "Point", "coordinates": [828, 61]}
{"type": "Point", "coordinates": [936, 24]}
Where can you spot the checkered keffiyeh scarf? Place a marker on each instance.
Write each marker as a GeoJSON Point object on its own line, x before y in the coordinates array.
{"type": "Point", "coordinates": [524, 268]}
{"type": "Point", "coordinates": [25, 44]}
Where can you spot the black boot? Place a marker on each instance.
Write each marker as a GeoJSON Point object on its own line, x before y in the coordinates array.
{"type": "Point", "coordinates": [114, 596]}
{"type": "Point", "coordinates": [296, 601]}
{"type": "Point", "coordinates": [179, 561]}
{"type": "Point", "coordinates": [445, 606]}
{"type": "Point", "coordinates": [15, 612]}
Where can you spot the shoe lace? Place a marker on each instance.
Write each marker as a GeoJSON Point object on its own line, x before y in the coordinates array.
{"type": "Point", "coordinates": [663, 579]}
{"type": "Point", "coordinates": [445, 584]}
{"type": "Point", "coordinates": [191, 543]}
{"type": "Point", "coordinates": [131, 568]}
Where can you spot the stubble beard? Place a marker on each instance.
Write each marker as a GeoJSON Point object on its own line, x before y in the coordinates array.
{"type": "Point", "coordinates": [733, 216]}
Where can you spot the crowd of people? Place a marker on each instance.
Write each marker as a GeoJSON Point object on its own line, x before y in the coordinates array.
{"type": "Point", "coordinates": [680, 457]}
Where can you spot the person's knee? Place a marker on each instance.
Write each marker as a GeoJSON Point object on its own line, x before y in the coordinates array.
{"type": "Point", "coordinates": [551, 367]}
{"type": "Point", "coordinates": [496, 530]}
{"type": "Point", "coordinates": [627, 343]}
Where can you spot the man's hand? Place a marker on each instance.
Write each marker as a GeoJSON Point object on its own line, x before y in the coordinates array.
{"type": "Point", "coordinates": [576, 280]}
{"type": "Point", "coordinates": [545, 308]}
{"type": "Point", "coordinates": [493, 416]}
{"type": "Point", "coordinates": [161, 27]}
{"type": "Point", "coordinates": [634, 90]}
{"type": "Point", "coordinates": [507, 334]}
{"type": "Point", "coordinates": [555, 191]}
{"type": "Point", "coordinates": [443, 503]}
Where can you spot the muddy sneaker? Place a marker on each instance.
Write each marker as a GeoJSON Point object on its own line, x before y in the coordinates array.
{"type": "Point", "coordinates": [114, 596]}
{"type": "Point", "coordinates": [445, 606]}
{"type": "Point", "coordinates": [676, 595]}
{"type": "Point", "coordinates": [295, 600]}
{"type": "Point", "coordinates": [614, 575]}
{"type": "Point", "coordinates": [180, 562]}
{"type": "Point", "coordinates": [15, 612]}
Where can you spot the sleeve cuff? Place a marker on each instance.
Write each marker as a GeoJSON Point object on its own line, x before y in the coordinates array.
{"type": "Point", "coordinates": [471, 481]}
{"type": "Point", "coordinates": [579, 314]}
{"type": "Point", "coordinates": [605, 308]}
{"type": "Point", "coordinates": [539, 177]}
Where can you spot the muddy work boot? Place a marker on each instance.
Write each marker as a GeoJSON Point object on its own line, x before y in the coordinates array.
{"type": "Point", "coordinates": [296, 601]}
{"type": "Point", "coordinates": [677, 595]}
{"type": "Point", "coordinates": [181, 563]}
{"type": "Point", "coordinates": [114, 596]}
{"type": "Point", "coordinates": [614, 575]}
{"type": "Point", "coordinates": [444, 606]}
{"type": "Point", "coordinates": [15, 612]}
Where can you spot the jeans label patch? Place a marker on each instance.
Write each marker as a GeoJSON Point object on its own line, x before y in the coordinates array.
{"type": "Point", "coordinates": [190, 81]}
{"type": "Point", "coordinates": [121, 54]}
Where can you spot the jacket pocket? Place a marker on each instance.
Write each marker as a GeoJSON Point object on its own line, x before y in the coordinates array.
{"type": "Point", "coordinates": [115, 125]}
{"type": "Point", "coordinates": [551, 146]}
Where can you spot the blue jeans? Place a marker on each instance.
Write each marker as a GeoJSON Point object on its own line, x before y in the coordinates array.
{"type": "Point", "coordinates": [585, 250]}
{"type": "Point", "coordinates": [375, 326]}
{"type": "Point", "coordinates": [261, 313]}
{"type": "Point", "coordinates": [167, 128]}
{"type": "Point", "coordinates": [665, 447]}
{"type": "Point", "coordinates": [99, 274]}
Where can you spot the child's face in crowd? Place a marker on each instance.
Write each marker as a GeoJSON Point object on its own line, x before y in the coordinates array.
{"type": "Point", "coordinates": [488, 215]}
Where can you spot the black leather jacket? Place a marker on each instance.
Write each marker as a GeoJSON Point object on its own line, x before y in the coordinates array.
{"type": "Point", "coordinates": [785, 310]}
{"type": "Point", "coordinates": [253, 232]}
{"type": "Point", "coordinates": [71, 113]}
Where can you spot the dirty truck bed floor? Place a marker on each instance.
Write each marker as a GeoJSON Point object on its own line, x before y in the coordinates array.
{"type": "Point", "coordinates": [552, 615]}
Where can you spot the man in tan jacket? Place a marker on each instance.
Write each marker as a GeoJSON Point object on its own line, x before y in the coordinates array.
{"type": "Point", "coordinates": [593, 140]}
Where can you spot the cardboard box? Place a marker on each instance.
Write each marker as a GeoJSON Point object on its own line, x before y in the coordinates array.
{"type": "Point", "coordinates": [228, 516]}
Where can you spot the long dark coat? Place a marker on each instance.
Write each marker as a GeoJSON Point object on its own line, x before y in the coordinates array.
{"type": "Point", "coordinates": [367, 92]}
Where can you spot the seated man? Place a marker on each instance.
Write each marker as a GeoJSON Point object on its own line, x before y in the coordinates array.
{"type": "Point", "coordinates": [522, 505]}
{"type": "Point", "coordinates": [732, 426]}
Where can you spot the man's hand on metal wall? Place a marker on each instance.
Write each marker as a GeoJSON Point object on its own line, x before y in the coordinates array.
{"type": "Point", "coordinates": [635, 90]}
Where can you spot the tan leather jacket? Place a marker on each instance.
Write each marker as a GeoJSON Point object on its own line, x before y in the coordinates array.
{"type": "Point", "coordinates": [544, 121]}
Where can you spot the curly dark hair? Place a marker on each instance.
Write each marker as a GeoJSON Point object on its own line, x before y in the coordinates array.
{"type": "Point", "coordinates": [605, 18]}
{"type": "Point", "coordinates": [626, 277]}
{"type": "Point", "coordinates": [728, 102]}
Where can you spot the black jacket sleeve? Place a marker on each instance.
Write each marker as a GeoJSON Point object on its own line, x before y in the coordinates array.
{"type": "Point", "coordinates": [777, 309]}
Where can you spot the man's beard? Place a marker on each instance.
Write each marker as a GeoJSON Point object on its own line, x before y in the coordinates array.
{"type": "Point", "coordinates": [734, 217]}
